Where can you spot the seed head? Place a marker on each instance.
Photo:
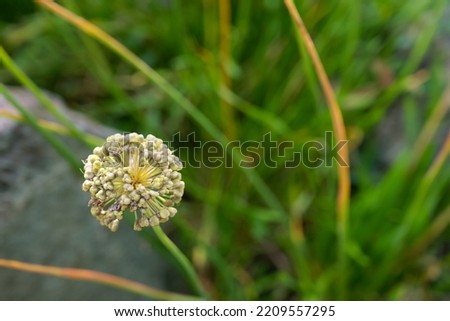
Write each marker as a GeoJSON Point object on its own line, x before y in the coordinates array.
{"type": "Point", "coordinates": [130, 172]}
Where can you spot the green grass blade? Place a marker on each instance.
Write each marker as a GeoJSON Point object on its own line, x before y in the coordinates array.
{"type": "Point", "coordinates": [41, 97]}
{"type": "Point", "coordinates": [33, 122]}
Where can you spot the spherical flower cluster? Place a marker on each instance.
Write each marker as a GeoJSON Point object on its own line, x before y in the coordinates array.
{"type": "Point", "coordinates": [130, 172]}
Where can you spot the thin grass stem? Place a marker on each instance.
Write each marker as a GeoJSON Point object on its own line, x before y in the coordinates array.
{"type": "Point", "coordinates": [44, 132]}
{"type": "Point", "coordinates": [50, 126]}
{"type": "Point", "coordinates": [343, 196]}
{"type": "Point", "coordinates": [228, 122]}
{"type": "Point", "coordinates": [41, 97]}
{"type": "Point", "coordinates": [97, 277]}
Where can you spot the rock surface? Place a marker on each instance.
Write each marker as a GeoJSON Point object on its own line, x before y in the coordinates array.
{"type": "Point", "coordinates": [44, 219]}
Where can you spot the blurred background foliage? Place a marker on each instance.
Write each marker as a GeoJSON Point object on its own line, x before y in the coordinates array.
{"type": "Point", "coordinates": [249, 73]}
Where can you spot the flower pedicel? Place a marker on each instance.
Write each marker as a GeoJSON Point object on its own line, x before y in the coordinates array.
{"type": "Point", "coordinates": [130, 172]}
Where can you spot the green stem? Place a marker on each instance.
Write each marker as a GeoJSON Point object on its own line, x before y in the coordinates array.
{"type": "Point", "coordinates": [182, 260]}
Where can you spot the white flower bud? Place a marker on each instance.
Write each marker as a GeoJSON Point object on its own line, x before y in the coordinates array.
{"type": "Point", "coordinates": [172, 211]}
{"type": "Point", "coordinates": [153, 221]}
{"type": "Point", "coordinates": [114, 225]}
{"type": "Point", "coordinates": [164, 213]}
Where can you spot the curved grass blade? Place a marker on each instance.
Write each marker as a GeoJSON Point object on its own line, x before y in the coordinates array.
{"type": "Point", "coordinates": [97, 277]}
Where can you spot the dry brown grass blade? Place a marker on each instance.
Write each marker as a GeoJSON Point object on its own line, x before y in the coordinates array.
{"type": "Point", "coordinates": [336, 115]}
{"type": "Point", "coordinates": [343, 194]}
{"type": "Point", "coordinates": [96, 277]}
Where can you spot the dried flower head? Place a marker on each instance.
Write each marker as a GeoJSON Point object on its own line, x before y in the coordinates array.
{"type": "Point", "coordinates": [130, 172]}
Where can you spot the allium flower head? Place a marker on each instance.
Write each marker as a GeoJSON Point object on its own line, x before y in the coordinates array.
{"type": "Point", "coordinates": [130, 172]}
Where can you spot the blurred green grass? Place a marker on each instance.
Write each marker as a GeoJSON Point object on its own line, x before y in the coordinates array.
{"type": "Point", "coordinates": [380, 55]}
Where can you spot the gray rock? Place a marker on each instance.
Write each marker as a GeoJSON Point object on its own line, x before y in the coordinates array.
{"type": "Point", "coordinates": [44, 219]}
